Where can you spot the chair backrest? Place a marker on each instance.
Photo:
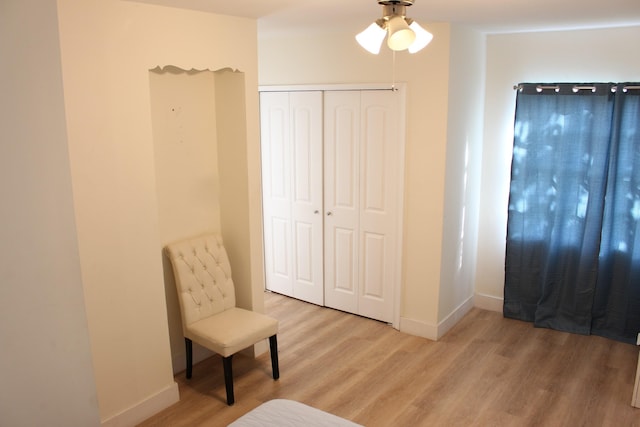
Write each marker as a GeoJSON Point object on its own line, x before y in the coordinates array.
{"type": "Point", "coordinates": [203, 277]}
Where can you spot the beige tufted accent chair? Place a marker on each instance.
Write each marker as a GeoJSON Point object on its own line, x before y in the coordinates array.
{"type": "Point", "coordinates": [208, 305]}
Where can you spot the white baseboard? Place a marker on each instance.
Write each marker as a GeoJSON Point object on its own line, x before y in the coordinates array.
{"type": "Point", "coordinates": [488, 302]}
{"type": "Point", "coordinates": [145, 409]}
{"type": "Point", "coordinates": [418, 328]}
{"type": "Point", "coordinates": [435, 332]}
{"type": "Point", "coordinates": [454, 317]}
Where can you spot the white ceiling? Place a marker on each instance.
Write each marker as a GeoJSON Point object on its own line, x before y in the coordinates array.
{"type": "Point", "coordinates": [486, 15]}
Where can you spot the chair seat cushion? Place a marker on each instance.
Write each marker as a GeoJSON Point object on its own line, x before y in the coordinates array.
{"type": "Point", "coordinates": [232, 330]}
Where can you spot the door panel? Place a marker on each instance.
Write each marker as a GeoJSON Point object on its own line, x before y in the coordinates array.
{"type": "Point", "coordinates": [291, 133]}
{"type": "Point", "coordinates": [373, 266]}
{"type": "Point", "coordinates": [341, 290]}
{"type": "Point", "coordinates": [373, 156]}
{"type": "Point", "coordinates": [345, 125]}
{"type": "Point", "coordinates": [361, 178]}
{"type": "Point", "coordinates": [306, 203]}
{"type": "Point", "coordinates": [304, 259]}
{"type": "Point", "coordinates": [378, 216]}
{"type": "Point", "coordinates": [342, 202]}
{"type": "Point", "coordinates": [279, 259]}
{"type": "Point", "coordinates": [276, 182]}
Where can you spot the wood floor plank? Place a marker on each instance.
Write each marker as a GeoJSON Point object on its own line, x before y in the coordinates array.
{"type": "Point", "coordinates": [487, 371]}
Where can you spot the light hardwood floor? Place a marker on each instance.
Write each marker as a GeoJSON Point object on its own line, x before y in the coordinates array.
{"type": "Point", "coordinates": [487, 371]}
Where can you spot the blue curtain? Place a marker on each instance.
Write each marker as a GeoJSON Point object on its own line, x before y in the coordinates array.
{"type": "Point", "coordinates": [573, 232]}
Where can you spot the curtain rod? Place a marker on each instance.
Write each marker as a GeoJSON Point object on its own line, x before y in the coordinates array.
{"type": "Point", "coordinates": [576, 88]}
{"type": "Point", "coordinates": [626, 88]}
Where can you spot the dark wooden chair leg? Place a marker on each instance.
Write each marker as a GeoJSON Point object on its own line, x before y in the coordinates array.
{"type": "Point", "coordinates": [228, 378]}
{"type": "Point", "coordinates": [189, 347]}
{"type": "Point", "coordinates": [273, 344]}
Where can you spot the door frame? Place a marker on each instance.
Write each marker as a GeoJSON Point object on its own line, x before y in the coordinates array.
{"type": "Point", "coordinates": [401, 88]}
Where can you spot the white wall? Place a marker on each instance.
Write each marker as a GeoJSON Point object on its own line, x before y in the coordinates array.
{"type": "Point", "coordinates": [185, 152]}
{"type": "Point", "coordinates": [605, 55]}
{"type": "Point", "coordinates": [187, 180]}
{"type": "Point", "coordinates": [46, 370]}
{"type": "Point", "coordinates": [241, 189]}
{"type": "Point", "coordinates": [108, 48]}
{"type": "Point", "coordinates": [435, 107]}
{"type": "Point", "coordinates": [463, 168]}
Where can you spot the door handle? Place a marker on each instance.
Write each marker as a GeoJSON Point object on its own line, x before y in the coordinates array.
{"type": "Point", "coordinates": [329, 213]}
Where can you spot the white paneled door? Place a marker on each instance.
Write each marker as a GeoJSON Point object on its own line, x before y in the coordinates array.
{"type": "Point", "coordinates": [332, 195]}
{"type": "Point", "coordinates": [291, 135]}
{"type": "Point", "coordinates": [362, 158]}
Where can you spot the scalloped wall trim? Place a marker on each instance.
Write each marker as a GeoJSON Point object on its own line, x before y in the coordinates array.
{"type": "Point", "coordinates": [173, 69]}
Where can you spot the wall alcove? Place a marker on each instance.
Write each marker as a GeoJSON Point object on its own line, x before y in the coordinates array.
{"type": "Point", "coordinates": [200, 155]}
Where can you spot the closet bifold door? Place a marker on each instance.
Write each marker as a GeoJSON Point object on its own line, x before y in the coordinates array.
{"type": "Point", "coordinates": [291, 149]}
{"type": "Point", "coordinates": [332, 197]}
{"type": "Point", "coordinates": [361, 184]}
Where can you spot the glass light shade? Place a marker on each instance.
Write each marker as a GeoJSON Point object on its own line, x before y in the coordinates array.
{"type": "Point", "coordinates": [371, 38]}
{"type": "Point", "coordinates": [400, 35]}
{"type": "Point", "coordinates": [423, 37]}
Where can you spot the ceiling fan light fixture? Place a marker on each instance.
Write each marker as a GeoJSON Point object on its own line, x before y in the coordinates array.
{"type": "Point", "coordinates": [371, 38]}
{"type": "Point", "coordinates": [400, 35]}
{"type": "Point", "coordinates": [402, 32]}
{"type": "Point", "coordinates": [423, 37]}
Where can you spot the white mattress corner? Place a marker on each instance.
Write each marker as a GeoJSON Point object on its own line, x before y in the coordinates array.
{"type": "Point", "coordinates": [289, 413]}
